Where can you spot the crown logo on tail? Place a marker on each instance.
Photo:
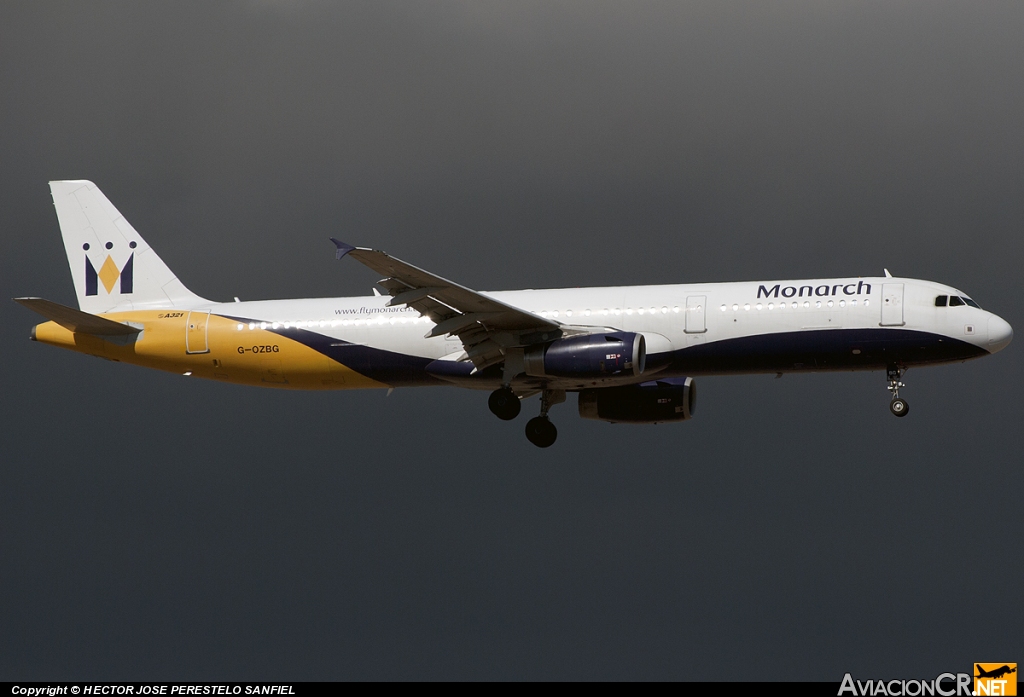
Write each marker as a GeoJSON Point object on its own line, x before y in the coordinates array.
{"type": "Point", "coordinates": [109, 275]}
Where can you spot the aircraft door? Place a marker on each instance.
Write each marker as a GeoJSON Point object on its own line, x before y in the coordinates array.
{"type": "Point", "coordinates": [892, 305]}
{"type": "Point", "coordinates": [695, 306]}
{"type": "Point", "coordinates": [197, 332]}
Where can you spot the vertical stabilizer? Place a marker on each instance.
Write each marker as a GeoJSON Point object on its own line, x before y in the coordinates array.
{"type": "Point", "coordinates": [112, 266]}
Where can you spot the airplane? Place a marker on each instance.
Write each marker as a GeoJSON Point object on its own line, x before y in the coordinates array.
{"type": "Point", "coordinates": [995, 673]}
{"type": "Point", "coordinates": [630, 352]}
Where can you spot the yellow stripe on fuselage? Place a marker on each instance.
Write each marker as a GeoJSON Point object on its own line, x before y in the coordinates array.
{"type": "Point", "coordinates": [253, 357]}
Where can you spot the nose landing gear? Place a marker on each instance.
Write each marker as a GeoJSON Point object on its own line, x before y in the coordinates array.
{"type": "Point", "coordinates": [897, 406]}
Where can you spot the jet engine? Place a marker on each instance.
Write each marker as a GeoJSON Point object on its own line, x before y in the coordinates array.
{"type": "Point", "coordinates": [670, 399]}
{"type": "Point", "coordinates": [589, 356]}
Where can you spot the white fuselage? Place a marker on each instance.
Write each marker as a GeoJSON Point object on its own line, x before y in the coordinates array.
{"type": "Point", "coordinates": [673, 319]}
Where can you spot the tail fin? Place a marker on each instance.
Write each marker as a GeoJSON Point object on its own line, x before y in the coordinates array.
{"type": "Point", "coordinates": [112, 266]}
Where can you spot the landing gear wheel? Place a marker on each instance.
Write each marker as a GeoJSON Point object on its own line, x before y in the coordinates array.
{"type": "Point", "coordinates": [504, 403]}
{"type": "Point", "coordinates": [899, 407]}
{"type": "Point", "coordinates": [541, 432]}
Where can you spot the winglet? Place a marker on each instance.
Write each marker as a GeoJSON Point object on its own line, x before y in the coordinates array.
{"type": "Point", "coordinates": [887, 274]}
{"type": "Point", "coordinates": [343, 248]}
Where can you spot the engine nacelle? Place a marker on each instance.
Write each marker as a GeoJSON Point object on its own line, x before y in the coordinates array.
{"type": "Point", "coordinates": [671, 399]}
{"type": "Point", "coordinates": [589, 356]}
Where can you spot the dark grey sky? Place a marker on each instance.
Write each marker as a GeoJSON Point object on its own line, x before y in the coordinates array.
{"type": "Point", "coordinates": [157, 527]}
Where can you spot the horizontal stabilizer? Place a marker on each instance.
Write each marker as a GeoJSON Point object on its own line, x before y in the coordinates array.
{"type": "Point", "coordinates": [76, 320]}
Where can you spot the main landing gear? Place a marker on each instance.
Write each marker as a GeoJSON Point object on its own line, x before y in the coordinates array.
{"type": "Point", "coordinates": [539, 430]}
{"type": "Point", "coordinates": [898, 406]}
{"type": "Point", "coordinates": [504, 403]}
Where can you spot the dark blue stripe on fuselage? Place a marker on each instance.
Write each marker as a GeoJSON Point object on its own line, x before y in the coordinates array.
{"type": "Point", "coordinates": [395, 369]}
{"type": "Point", "coordinates": [823, 350]}
{"type": "Point", "coordinates": [389, 367]}
{"type": "Point", "coordinates": [829, 349]}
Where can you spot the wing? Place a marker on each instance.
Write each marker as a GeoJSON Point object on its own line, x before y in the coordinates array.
{"type": "Point", "coordinates": [486, 327]}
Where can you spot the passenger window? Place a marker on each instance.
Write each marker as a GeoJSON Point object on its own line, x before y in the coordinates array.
{"type": "Point", "coordinates": [971, 302]}
{"type": "Point", "coordinates": [940, 301]}
{"type": "Point", "coordinates": [954, 301]}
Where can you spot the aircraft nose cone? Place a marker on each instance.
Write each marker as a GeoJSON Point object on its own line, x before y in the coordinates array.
{"type": "Point", "coordinates": [1000, 333]}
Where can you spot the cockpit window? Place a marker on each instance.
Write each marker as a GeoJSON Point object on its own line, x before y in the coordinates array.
{"type": "Point", "coordinates": [940, 301]}
{"type": "Point", "coordinates": [971, 302]}
{"type": "Point", "coordinates": [955, 300]}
